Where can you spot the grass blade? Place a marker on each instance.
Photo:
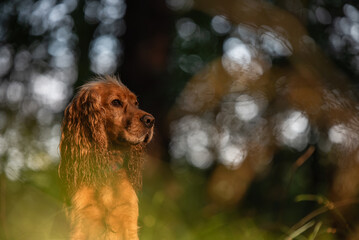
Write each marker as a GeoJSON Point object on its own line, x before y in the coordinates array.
{"type": "Point", "coordinates": [300, 230]}
{"type": "Point", "coordinates": [315, 231]}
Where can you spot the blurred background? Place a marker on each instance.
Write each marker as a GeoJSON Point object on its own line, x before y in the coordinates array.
{"type": "Point", "coordinates": [256, 106]}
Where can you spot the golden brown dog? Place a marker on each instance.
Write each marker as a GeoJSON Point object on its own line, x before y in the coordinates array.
{"type": "Point", "coordinates": [103, 134]}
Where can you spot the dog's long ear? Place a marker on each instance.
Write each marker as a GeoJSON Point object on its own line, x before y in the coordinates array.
{"type": "Point", "coordinates": [83, 139]}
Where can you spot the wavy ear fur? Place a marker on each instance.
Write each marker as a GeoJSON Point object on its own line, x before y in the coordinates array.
{"type": "Point", "coordinates": [83, 144]}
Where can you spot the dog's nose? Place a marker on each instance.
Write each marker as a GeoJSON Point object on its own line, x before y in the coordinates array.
{"type": "Point", "coordinates": [148, 120]}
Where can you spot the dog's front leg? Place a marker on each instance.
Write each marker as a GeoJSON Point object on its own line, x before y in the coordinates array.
{"type": "Point", "coordinates": [122, 218]}
{"type": "Point", "coordinates": [86, 216]}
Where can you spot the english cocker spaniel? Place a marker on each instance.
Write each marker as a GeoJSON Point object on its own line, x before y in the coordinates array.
{"type": "Point", "coordinates": [103, 135]}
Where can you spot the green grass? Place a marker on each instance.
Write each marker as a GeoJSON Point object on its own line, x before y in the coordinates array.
{"type": "Point", "coordinates": [171, 207]}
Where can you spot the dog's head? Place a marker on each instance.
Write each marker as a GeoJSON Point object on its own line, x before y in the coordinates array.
{"type": "Point", "coordinates": [124, 122]}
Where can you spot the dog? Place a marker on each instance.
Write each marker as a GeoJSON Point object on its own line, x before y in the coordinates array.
{"type": "Point", "coordinates": [103, 136]}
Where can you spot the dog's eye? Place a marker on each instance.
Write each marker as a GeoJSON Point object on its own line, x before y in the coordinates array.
{"type": "Point", "coordinates": [136, 103]}
{"type": "Point", "coordinates": [117, 103]}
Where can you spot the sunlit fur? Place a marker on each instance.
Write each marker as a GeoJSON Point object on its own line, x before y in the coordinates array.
{"type": "Point", "coordinates": [101, 159]}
